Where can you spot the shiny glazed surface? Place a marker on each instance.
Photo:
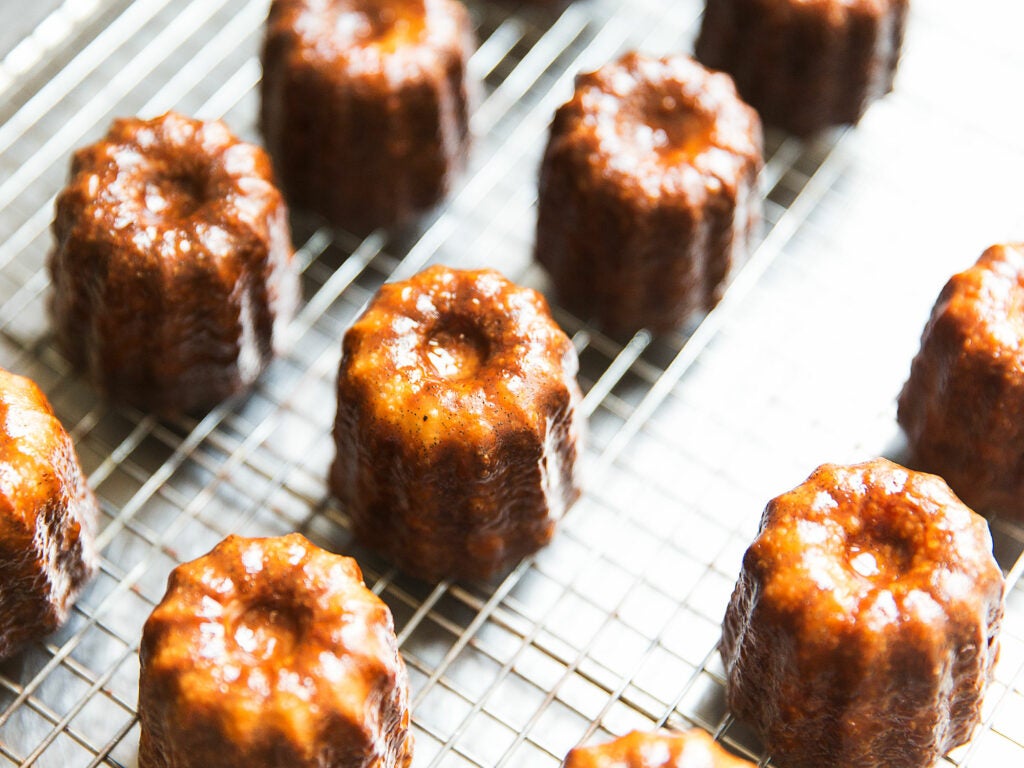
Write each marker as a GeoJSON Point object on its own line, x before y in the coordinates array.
{"type": "Point", "coordinates": [365, 105]}
{"type": "Point", "coordinates": [963, 405]}
{"type": "Point", "coordinates": [272, 652]}
{"type": "Point", "coordinates": [458, 424]}
{"type": "Point", "coordinates": [805, 64]}
{"type": "Point", "coordinates": [47, 517]}
{"type": "Point", "coordinates": [172, 270]}
{"type": "Point", "coordinates": [863, 628]}
{"type": "Point", "coordinates": [659, 749]}
{"type": "Point", "coordinates": [648, 192]}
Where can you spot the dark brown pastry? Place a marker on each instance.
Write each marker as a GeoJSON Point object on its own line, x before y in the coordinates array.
{"type": "Point", "coordinates": [271, 652]}
{"type": "Point", "coordinates": [863, 629]}
{"type": "Point", "coordinates": [660, 749]}
{"type": "Point", "coordinates": [365, 105]}
{"type": "Point", "coordinates": [172, 271]}
{"type": "Point", "coordinates": [805, 64]}
{"type": "Point", "coordinates": [648, 192]}
{"type": "Point", "coordinates": [47, 517]}
{"type": "Point", "coordinates": [963, 405]}
{"type": "Point", "coordinates": [458, 424]}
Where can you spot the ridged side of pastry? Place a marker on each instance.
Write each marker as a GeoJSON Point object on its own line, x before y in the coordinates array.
{"type": "Point", "coordinates": [962, 407]}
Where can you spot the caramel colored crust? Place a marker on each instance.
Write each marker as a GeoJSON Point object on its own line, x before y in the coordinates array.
{"type": "Point", "coordinates": [661, 749]}
{"type": "Point", "coordinates": [963, 405]}
{"type": "Point", "coordinates": [172, 270]}
{"type": "Point", "coordinates": [863, 628]}
{"type": "Point", "coordinates": [457, 424]}
{"type": "Point", "coordinates": [47, 517]}
{"type": "Point", "coordinates": [365, 106]}
{"type": "Point", "coordinates": [648, 192]}
{"type": "Point", "coordinates": [271, 652]}
{"type": "Point", "coordinates": [805, 64]}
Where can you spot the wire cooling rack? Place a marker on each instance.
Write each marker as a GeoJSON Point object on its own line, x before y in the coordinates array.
{"type": "Point", "coordinates": [614, 626]}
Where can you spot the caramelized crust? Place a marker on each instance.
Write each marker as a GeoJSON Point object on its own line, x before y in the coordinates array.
{"type": "Point", "coordinates": [660, 749]}
{"type": "Point", "coordinates": [272, 652]}
{"type": "Point", "coordinates": [365, 105]}
{"type": "Point", "coordinates": [963, 405]}
{"type": "Point", "coordinates": [47, 517]}
{"type": "Point", "coordinates": [863, 628]}
{"type": "Point", "coordinates": [648, 192]}
{"type": "Point", "coordinates": [805, 64]}
{"type": "Point", "coordinates": [457, 423]}
{"type": "Point", "coordinates": [172, 270]}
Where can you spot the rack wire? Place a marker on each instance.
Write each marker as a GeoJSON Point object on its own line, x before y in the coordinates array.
{"type": "Point", "coordinates": [614, 625]}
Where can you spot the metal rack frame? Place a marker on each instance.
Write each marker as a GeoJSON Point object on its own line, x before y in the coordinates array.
{"type": "Point", "coordinates": [614, 625]}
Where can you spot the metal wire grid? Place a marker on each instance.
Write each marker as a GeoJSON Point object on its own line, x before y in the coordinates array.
{"type": "Point", "coordinates": [615, 624]}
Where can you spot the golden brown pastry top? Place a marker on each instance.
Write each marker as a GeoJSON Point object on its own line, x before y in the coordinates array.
{"type": "Point", "coordinates": [458, 354]}
{"type": "Point", "coordinates": [31, 438]}
{"type": "Point", "coordinates": [171, 188]}
{"type": "Point", "coordinates": [983, 304]}
{"type": "Point", "coordinates": [47, 516]}
{"type": "Point", "coordinates": [275, 638]}
{"type": "Point", "coordinates": [399, 39]}
{"type": "Point", "coordinates": [659, 128]}
{"type": "Point", "coordinates": [872, 543]}
{"type": "Point", "coordinates": [659, 749]}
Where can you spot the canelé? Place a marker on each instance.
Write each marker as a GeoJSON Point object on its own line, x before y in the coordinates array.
{"type": "Point", "coordinates": [47, 517]}
{"type": "Point", "coordinates": [648, 192]}
{"type": "Point", "coordinates": [806, 64]}
{"type": "Point", "coordinates": [365, 105]}
{"type": "Point", "coordinates": [963, 406]}
{"type": "Point", "coordinates": [659, 749]}
{"type": "Point", "coordinates": [172, 271]}
{"type": "Point", "coordinates": [270, 652]}
{"type": "Point", "coordinates": [864, 626]}
{"type": "Point", "coordinates": [458, 424]}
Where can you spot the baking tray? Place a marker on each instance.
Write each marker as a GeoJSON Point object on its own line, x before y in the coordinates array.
{"type": "Point", "coordinates": [614, 626]}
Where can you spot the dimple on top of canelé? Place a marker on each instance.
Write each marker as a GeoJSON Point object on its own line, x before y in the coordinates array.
{"type": "Point", "coordinates": [272, 646]}
{"type": "Point", "coordinates": [455, 353]}
{"type": "Point", "coordinates": [172, 188]}
{"type": "Point", "coordinates": [659, 127]}
{"type": "Point", "coordinates": [367, 37]}
{"type": "Point", "coordinates": [878, 543]}
{"type": "Point", "coordinates": [658, 749]}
